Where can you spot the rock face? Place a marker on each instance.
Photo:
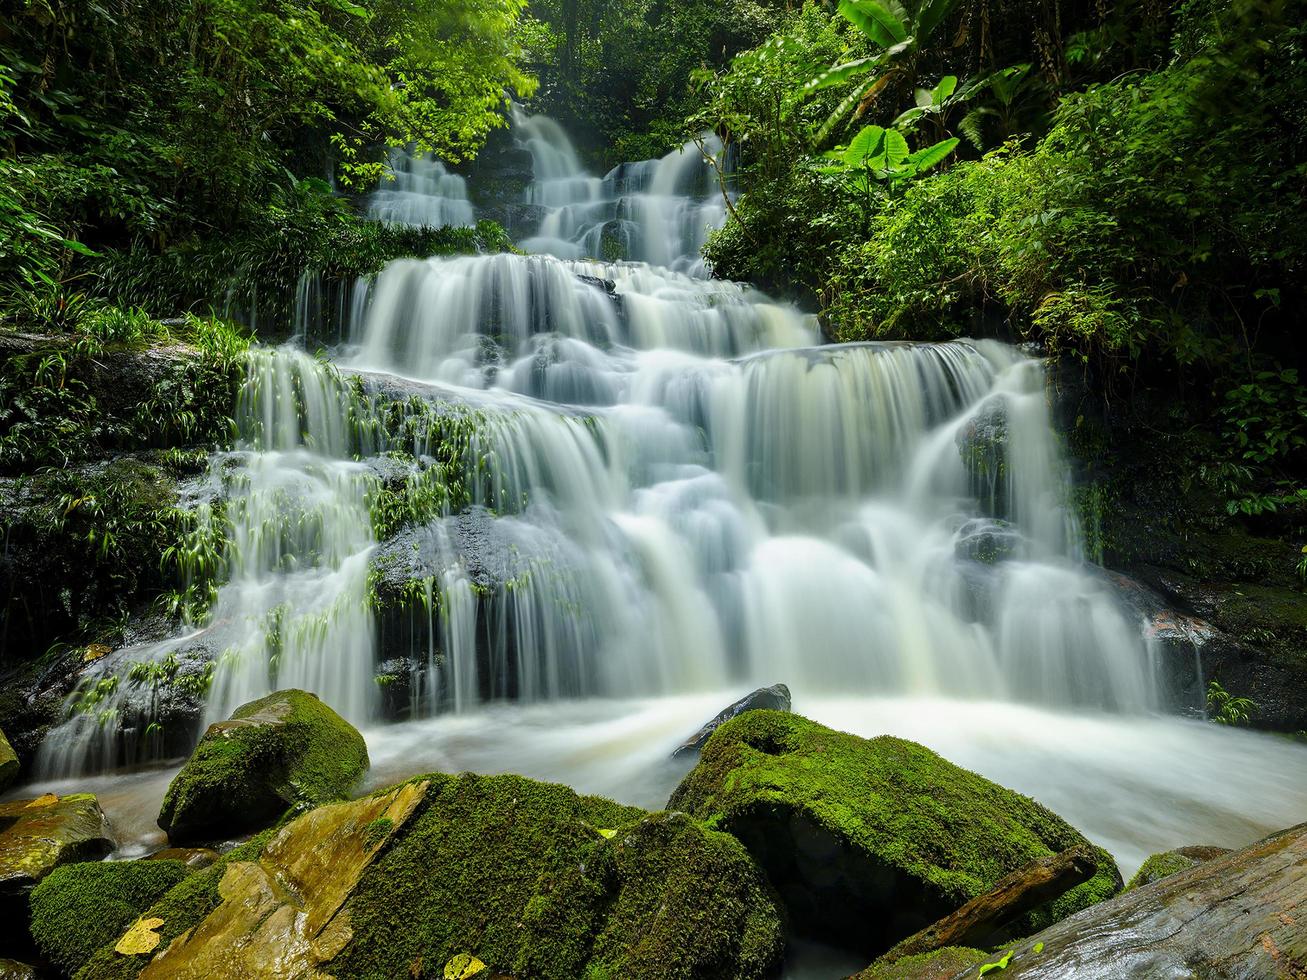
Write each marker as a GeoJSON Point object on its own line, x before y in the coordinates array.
{"type": "Point", "coordinates": [1238, 915]}
{"type": "Point", "coordinates": [8, 763]}
{"type": "Point", "coordinates": [1167, 863]}
{"type": "Point", "coordinates": [942, 964]}
{"type": "Point", "coordinates": [531, 879]}
{"type": "Point", "coordinates": [869, 841]}
{"type": "Point", "coordinates": [774, 698]}
{"type": "Point", "coordinates": [286, 750]}
{"type": "Point", "coordinates": [80, 907]}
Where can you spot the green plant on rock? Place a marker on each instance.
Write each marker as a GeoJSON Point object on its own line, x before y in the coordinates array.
{"type": "Point", "coordinates": [1226, 709]}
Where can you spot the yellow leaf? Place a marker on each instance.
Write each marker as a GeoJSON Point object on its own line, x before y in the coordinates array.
{"type": "Point", "coordinates": [462, 966]}
{"type": "Point", "coordinates": [94, 651]}
{"type": "Point", "coordinates": [140, 938]}
{"type": "Point", "coordinates": [610, 834]}
{"type": "Point", "coordinates": [49, 799]}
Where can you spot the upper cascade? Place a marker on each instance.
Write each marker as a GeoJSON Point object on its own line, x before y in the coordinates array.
{"type": "Point", "coordinates": [420, 191]}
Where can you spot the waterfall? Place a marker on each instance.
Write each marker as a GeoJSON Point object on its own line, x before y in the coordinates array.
{"type": "Point", "coordinates": [668, 484]}
{"type": "Point", "coordinates": [418, 190]}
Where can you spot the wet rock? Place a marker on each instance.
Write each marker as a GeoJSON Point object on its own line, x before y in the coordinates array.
{"type": "Point", "coordinates": [1166, 863]}
{"type": "Point", "coordinates": [1237, 915]}
{"type": "Point", "coordinates": [9, 765]}
{"type": "Point", "coordinates": [988, 541]}
{"type": "Point", "coordinates": [405, 687]}
{"type": "Point", "coordinates": [982, 445]}
{"type": "Point", "coordinates": [774, 698]}
{"type": "Point", "coordinates": [285, 750]}
{"type": "Point", "coordinates": [869, 841]}
{"type": "Point", "coordinates": [195, 858]}
{"type": "Point", "coordinates": [983, 921]}
{"type": "Point", "coordinates": [528, 878]}
{"type": "Point", "coordinates": [81, 907]}
{"type": "Point", "coordinates": [941, 964]}
{"type": "Point", "coordinates": [38, 835]}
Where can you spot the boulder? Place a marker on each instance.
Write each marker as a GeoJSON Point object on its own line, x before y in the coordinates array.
{"type": "Point", "coordinates": [80, 907]}
{"type": "Point", "coordinates": [285, 750]}
{"type": "Point", "coordinates": [36, 836]}
{"type": "Point", "coordinates": [869, 841]}
{"type": "Point", "coordinates": [13, 970]}
{"type": "Point", "coordinates": [775, 698]}
{"type": "Point", "coordinates": [530, 879]}
{"type": "Point", "coordinates": [8, 763]}
{"type": "Point", "coordinates": [1237, 915]}
{"type": "Point", "coordinates": [1166, 863]}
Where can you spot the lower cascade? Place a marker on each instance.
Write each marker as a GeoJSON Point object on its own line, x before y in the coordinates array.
{"type": "Point", "coordinates": [532, 478]}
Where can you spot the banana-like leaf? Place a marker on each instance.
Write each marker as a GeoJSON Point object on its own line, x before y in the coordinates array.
{"type": "Point", "coordinates": [843, 109]}
{"type": "Point", "coordinates": [971, 126]}
{"type": "Point", "coordinates": [907, 119]}
{"type": "Point", "coordinates": [930, 156]}
{"type": "Point", "coordinates": [931, 14]}
{"type": "Point", "coordinates": [840, 74]}
{"type": "Point", "coordinates": [875, 20]}
{"type": "Point", "coordinates": [946, 87]}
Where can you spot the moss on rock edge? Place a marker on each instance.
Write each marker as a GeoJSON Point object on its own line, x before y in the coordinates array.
{"type": "Point", "coordinates": [79, 908]}
{"type": "Point", "coordinates": [285, 750]}
{"type": "Point", "coordinates": [870, 840]}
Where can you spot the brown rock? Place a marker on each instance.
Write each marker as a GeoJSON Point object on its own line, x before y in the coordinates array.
{"type": "Point", "coordinates": [36, 836]}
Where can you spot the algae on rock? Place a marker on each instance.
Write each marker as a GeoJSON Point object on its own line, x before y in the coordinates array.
{"type": "Point", "coordinates": [868, 841]}
{"type": "Point", "coordinates": [285, 750]}
{"type": "Point", "coordinates": [36, 836]}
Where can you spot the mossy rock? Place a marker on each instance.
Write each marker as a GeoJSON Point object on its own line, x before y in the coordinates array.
{"type": "Point", "coordinates": [532, 879]}
{"type": "Point", "coordinates": [9, 764]}
{"type": "Point", "coordinates": [181, 908]}
{"type": "Point", "coordinates": [1167, 863]}
{"type": "Point", "coordinates": [870, 840]}
{"type": "Point", "coordinates": [80, 907]}
{"type": "Point", "coordinates": [283, 751]}
{"type": "Point", "coordinates": [939, 964]}
{"type": "Point", "coordinates": [38, 835]}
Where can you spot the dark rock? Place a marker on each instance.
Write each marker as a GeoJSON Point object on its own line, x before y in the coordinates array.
{"type": "Point", "coordinates": [869, 841]}
{"type": "Point", "coordinates": [285, 750]}
{"type": "Point", "coordinates": [1237, 915]}
{"type": "Point", "coordinates": [38, 835]}
{"type": "Point", "coordinates": [775, 698]}
{"type": "Point", "coordinates": [988, 541]}
{"type": "Point", "coordinates": [1166, 863]}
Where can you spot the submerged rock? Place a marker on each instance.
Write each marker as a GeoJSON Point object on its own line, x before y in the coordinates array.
{"type": "Point", "coordinates": [285, 750]}
{"type": "Point", "coordinates": [1237, 915]}
{"type": "Point", "coordinates": [8, 763]}
{"type": "Point", "coordinates": [36, 836]}
{"type": "Point", "coordinates": [81, 907]}
{"type": "Point", "coordinates": [869, 841]}
{"type": "Point", "coordinates": [529, 878]}
{"type": "Point", "coordinates": [1168, 863]}
{"type": "Point", "coordinates": [775, 698]}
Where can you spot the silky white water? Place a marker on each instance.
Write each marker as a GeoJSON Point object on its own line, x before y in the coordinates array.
{"type": "Point", "coordinates": [678, 493]}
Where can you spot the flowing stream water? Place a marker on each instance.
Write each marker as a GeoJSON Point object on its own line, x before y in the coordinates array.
{"type": "Point", "coordinates": [675, 492]}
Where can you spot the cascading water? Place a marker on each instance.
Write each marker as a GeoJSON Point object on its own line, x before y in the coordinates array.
{"type": "Point", "coordinates": [418, 190]}
{"type": "Point", "coordinates": [664, 484]}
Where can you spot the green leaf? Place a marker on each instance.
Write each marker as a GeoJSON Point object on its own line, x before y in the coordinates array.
{"type": "Point", "coordinates": [874, 20]}
{"type": "Point", "coordinates": [997, 965]}
{"type": "Point", "coordinates": [931, 156]}
{"type": "Point", "coordinates": [869, 144]}
{"type": "Point", "coordinates": [930, 15]}
{"type": "Point", "coordinates": [896, 149]}
{"type": "Point", "coordinates": [947, 85]}
{"type": "Point", "coordinates": [840, 74]}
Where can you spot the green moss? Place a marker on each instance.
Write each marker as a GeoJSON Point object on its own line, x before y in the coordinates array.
{"type": "Point", "coordinates": [1160, 866]}
{"type": "Point", "coordinates": [80, 907]}
{"type": "Point", "coordinates": [870, 840]}
{"type": "Point", "coordinates": [941, 964]}
{"type": "Point", "coordinates": [375, 832]}
{"type": "Point", "coordinates": [181, 908]}
{"type": "Point", "coordinates": [285, 750]}
{"type": "Point", "coordinates": [519, 874]}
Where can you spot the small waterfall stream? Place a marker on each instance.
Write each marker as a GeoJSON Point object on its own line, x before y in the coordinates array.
{"type": "Point", "coordinates": [672, 487]}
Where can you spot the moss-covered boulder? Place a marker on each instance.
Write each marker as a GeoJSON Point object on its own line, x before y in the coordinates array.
{"type": "Point", "coordinates": [38, 835]}
{"type": "Point", "coordinates": [868, 841]}
{"type": "Point", "coordinates": [1167, 863]}
{"type": "Point", "coordinates": [530, 878]}
{"type": "Point", "coordinates": [13, 970]}
{"type": "Point", "coordinates": [285, 750]}
{"type": "Point", "coordinates": [8, 763]}
{"type": "Point", "coordinates": [81, 907]}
